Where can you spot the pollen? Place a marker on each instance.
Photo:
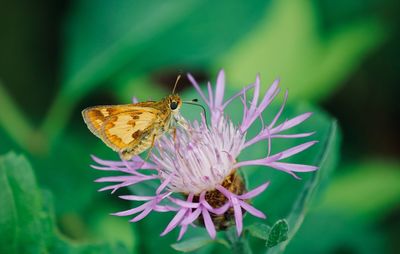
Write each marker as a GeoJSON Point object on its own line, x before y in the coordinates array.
{"type": "Point", "coordinates": [235, 184]}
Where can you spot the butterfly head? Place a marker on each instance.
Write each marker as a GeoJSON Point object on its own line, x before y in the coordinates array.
{"type": "Point", "coordinates": [174, 102]}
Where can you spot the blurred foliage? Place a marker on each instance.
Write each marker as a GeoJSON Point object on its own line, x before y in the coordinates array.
{"type": "Point", "coordinates": [59, 57]}
{"type": "Point", "coordinates": [292, 47]}
{"type": "Point", "coordinates": [27, 218]}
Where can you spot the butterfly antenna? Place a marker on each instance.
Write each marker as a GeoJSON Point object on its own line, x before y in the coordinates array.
{"type": "Point", "coordinates": [176, 83]}
{"type": "Point", "coordinates": [194, 102]}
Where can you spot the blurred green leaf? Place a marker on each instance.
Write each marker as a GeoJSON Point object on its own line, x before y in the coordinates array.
{"type": "Point", "coordinates": [27, 218]}
{"type": "Point", "coordinates": [14, 122]}
{"type": "Point", "coordinates": [259, 230]}
{"type": "Point", "coordinates": [278, 233]}
{"type": "Point", "coordinates": [326, 160]}
{"type": "Point", "coordinates": [366, 190]}
{"type": "Point", "coordinates": [195, 243]}
{"type": "Point", "coordinates": [337, 233]}
{"type": "Point", "coordinates": [287, 43]}
{"type": "Point", "coordinates": [139, 37]}
{"type": "Point", "coordinates": [103, 43]}
{"type": "Point", "coordinates": [20, 225]}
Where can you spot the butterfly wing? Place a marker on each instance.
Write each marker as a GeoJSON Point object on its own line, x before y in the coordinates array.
{"type": "Point", "coordinates": [120, 126]}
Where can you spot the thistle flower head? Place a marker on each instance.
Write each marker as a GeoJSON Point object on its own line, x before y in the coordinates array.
{"type": "Point", "coordinates": [197, 169]}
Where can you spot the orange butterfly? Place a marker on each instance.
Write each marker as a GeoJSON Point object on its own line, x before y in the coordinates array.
{"type": "Point", "coordinates": [133, 128]}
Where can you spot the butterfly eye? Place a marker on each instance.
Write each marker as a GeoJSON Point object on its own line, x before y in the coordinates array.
{"type": "Point", "coordinates": [173, 105]}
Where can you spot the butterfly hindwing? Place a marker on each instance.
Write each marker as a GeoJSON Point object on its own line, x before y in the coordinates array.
{"type": "Point", "coordinates": [128, 128]}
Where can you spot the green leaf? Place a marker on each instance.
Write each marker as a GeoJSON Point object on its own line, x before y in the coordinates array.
{"type": "Point", "coordinates": [20, 225]}
{"type": "Point", "coordinates": [14, 122]}
{"type": "Point", "coordinates": [278, 233]}
{"type": "Point", "coordinates": [288, 43]}
{"type": "Point", "coordinates": [259, 230]}
{"type": "Point", "coordinates": [27, 217]}
{"type": "Point", "coordinates": [192, 244]}
{"type": "Point", "coordinates": [147, 35]}
{"type": "Point", "coordinates": [365, 190]}
{"type": "Point", "coordinates": [140, 37]}
{"type": "Point", "coordinates": [326, 160]}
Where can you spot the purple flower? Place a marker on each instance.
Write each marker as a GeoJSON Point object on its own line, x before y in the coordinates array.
{"type": "Point", "coordinates": [197, 171]}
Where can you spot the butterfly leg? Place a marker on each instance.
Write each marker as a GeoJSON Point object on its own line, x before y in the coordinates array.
{"type": "Point", "coordinates": [174, 134]}
{"type": "Point", "coordinates": [151, 147]}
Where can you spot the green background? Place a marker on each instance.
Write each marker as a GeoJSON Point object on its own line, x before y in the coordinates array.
{"type": "Point", "coordinates": [336, 58]}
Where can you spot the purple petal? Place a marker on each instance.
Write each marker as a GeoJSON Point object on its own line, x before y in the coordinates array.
{"type": "Point", "coordinates": [107, 162]}
{"type": "Point", "coordinates": [142, 214]}
{"type": "Point", "coordinates": [175, 221]}
{"type": "Point", "coordinates": [134, 100]}
{"type": "Point", "coordinates": [299, 135]}
{"type": "Point", "coordinates": [297, 149]}
{"type": "Point", "coordinates": [198, 89]}
{"type": "Point", "coordinates": [117, 186]}
{"type": "Point", "coordinates": [254, 192]}
{"type": "Point", "coordinates": [224, 191]}
{"type": "Point", "coordinates": [182, 231]}
{"type": "Point", "coordinates": [279, 112]}
{"type": "Point", "coordinates": [252, 210]}
{"type": "Point", "coordinates": [208, 223]}
{"type": "Point", "coordinates": [291, 123]}
{"type": "Point", "coordinates": [204, 202]}
{"type": "Point", "coordinates": [293, 167]}
{"type": "Point", "coordinates": [264, 134]}
{"type": "Point", "coordinates": [244, 90]}
{"type": "Point", "coordinates": [183, 203]}
{"type": "Point", "coordinates": [256, 94]}
{"type": "Point", "coordinates": [210, 96]}
{"type": "Point", "coordinates": [133, 210]}
{"type": "Point", "coordinates": [238, 215]}
{"type": "Point", "coordinates": [117, 179]}
{"type": "Point", "coordinates": [262, 162]}
{"type": "Point", "coordinates": [105, 168]}
{"type": "Point", "coordinates": [269, 96]}
{"type": "Point", "coordinates": [192, 217]}
{"type": "Point", "coordinates": [220, 89]}
{"type": "Point", "coordinates": [163, 185]}
{"type": "Point", "coordinates": [164, 208]}
{"type": "Point", "coordinates": [136, 198]}
{"type": "Point", "coordinates": [221, 210]}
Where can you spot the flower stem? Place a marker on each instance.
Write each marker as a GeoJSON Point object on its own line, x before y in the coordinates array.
{"type": "Point", "coordinates": [238, 244]}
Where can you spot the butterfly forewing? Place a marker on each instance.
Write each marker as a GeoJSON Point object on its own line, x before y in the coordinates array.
{"type": "Point", "coordinates": [132, 128]}
{"type": "Point", "coordinates": [120, 126]}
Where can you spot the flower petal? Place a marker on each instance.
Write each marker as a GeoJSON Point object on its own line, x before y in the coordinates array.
{"type": "Point", "coordinates": [208, 223]}
{"type": "Point", "coordinates": [175, 221]}
{"type": "Point", "coordinates": [133, 210]}
{"type": "Point", "coordinates": [297, 149]}
{"type": "Point", "coordinates": [238, 215]}
{"type": "Point", "coordinates": [198, 89]}
{"type": "Point", "coordinates": [142, 214]}
{"type": "Point", "coordinates": [293, 167]}
{"type": "Point", "coordinates": [192, 217]}
{"type": "Point", "coordinates": [182, 231]}
{"type": "Point", "coordinates": [252, 210]}
{"type": "Point", "coordinates": [280, 111]}
{"type": "Point", "coordinates": [291, 123]}
{"type": "Point", "coordinates": [219, 89]}
{"type": "Point", "coordinates": [254, 192]}
{"type": "Point", "coordinates": [136, 198]}
{"type": "Point", "coordinates": [299, 135]}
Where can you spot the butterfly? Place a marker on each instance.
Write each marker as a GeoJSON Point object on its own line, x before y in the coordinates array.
{"type": "Point", "coordinates": [131, 129]}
